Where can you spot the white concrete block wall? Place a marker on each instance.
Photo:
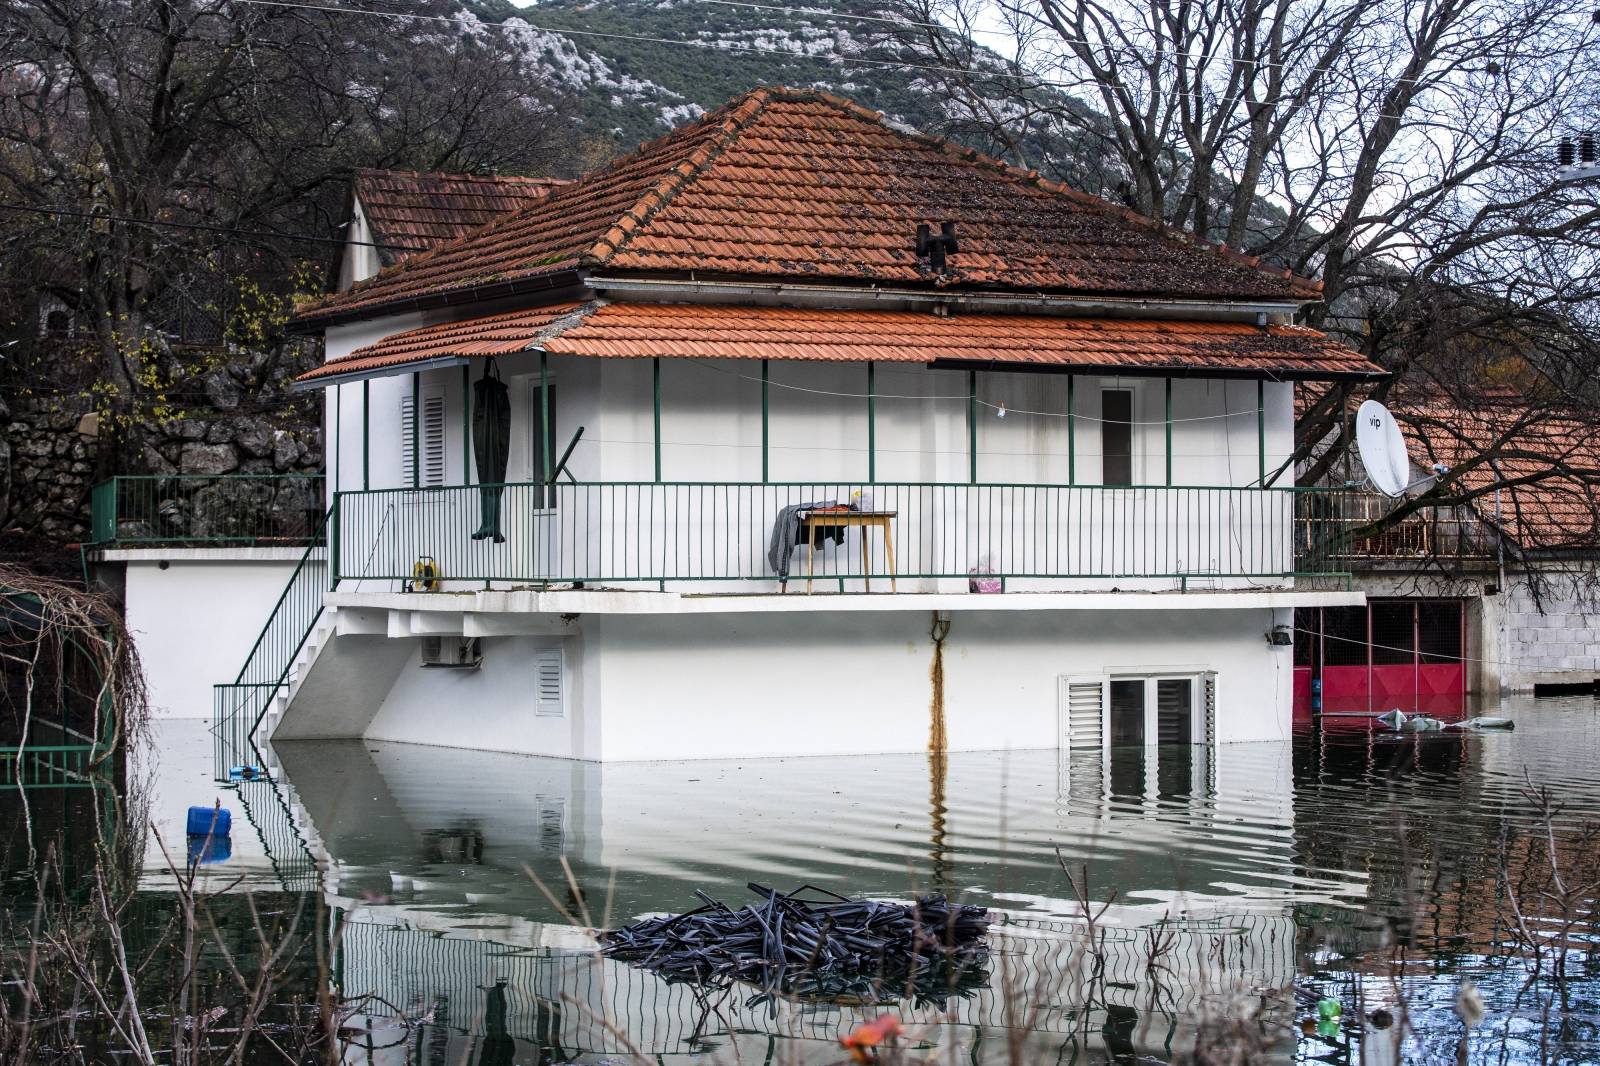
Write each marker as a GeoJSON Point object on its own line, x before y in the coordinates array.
{"type": "Point", "coordinates": [195, 620]}
{"type": "Point", "coordinates": [1558, 644]}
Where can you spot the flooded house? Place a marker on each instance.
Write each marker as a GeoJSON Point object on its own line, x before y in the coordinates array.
{"type": "Point", "coordinates": [797, 433]}
{"type": "Point", "coordinates": [1485, 598]}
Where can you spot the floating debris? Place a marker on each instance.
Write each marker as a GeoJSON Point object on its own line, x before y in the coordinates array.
{"type": "Point", "coordinates": [831, 948]}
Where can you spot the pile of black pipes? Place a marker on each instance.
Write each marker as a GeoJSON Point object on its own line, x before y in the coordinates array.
{"type": "Point", "coordinates": [830, 948]}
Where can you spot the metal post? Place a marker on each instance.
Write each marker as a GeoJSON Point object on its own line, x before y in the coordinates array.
{"type": "Point", "coordinates": [766, 428]}
{"type": "Point", "coordinates": [338, 434]}
{"type": "Point", "coordinates": [544, 418]}
{"type": "Point", "coordinates": [655, 373]}
{"type": "Point", "coordinates": [972, 426]}
{"type": "Point", "coordinates": [1261, 430]}
{"type": "Point", "coordinates": [1169, 432]}
{"type": "Point", "coordinates": [416, 429]}
{"type": "Point", "coordinates": [332, 533]}
{"type": "Point", "coordinates": [366, 433]}
{"type": "Point", "coordinates": [1072, 431]}
{"type": "Point", "coordinates": [466, 424]}
{"type": "Point", "coordinates": [872, 422]}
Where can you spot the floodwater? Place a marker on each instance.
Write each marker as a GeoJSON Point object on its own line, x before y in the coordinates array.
{"type": "Point", "coordinates": [1385, 873]}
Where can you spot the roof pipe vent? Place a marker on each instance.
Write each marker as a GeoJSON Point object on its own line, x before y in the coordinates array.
{"type": "Point", "coordinates": [934, 249]}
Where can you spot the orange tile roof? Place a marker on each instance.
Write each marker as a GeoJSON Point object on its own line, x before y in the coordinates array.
{"type": "Point", "coordinates": [1548, 460]}
{"type": "Point", "coordinates": [1553, 453]}
{"type": "Point", "coordinates": [411, 211]}
{"type": "Point", "coordinates": [802, 185]}
{"type": "Point", "coordinates": [698, 331]}
{"type": "Point", "coordinates": [486, 336]}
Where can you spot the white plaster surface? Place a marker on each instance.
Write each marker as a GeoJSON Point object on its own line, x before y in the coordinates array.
{"type": "Point", "coordinates": [195, 622]}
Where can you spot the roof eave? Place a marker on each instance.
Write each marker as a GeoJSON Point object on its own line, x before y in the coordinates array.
{"type": "Point", "coordinates": [550, 284]}
{"type": "Point", "coordinates": [1165, 371]}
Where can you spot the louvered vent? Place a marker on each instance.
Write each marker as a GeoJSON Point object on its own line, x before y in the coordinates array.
{"type": "Point", "coordinates": [1174, 711]}
{"type": "Point", "coordinates": [1208, 685]}
{"type": "Point", "coordinates": [547, 684]}
{"type": "Point", "coordinates": [1084, 714]}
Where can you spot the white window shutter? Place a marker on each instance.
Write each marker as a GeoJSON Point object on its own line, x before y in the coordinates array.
{"type": "Point", "coordinates": [1084, 701]}
{"type": "Point", "coordinates": [408, 443]}
{"type": "Point", "coordinates": [548, 683]}
{"type": "Point", "coordinates": [432, 439]}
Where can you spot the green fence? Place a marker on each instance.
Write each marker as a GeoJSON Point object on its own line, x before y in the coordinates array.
{"type": "Point", "coordinates": [1028, 536]}
{"type": "Point", "coordinates": [50, 765]}
{"type": "Point", "coordinates": [199, 509]}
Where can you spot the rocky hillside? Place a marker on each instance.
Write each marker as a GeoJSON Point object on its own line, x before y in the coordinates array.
{"type": "Point", "coordinates": [634, 86]}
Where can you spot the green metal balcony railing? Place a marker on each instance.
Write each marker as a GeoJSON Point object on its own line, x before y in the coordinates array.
{"type": "Point", "coordinates": [240, 509]}
{"type": "Point", "coordinates": [239, 706]}
{"type": "Point", "coordinates": [1026, 536]}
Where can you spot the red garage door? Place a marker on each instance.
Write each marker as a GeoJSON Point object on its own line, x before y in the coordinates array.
{"type": "Point", "coordinates": [1404, 653]}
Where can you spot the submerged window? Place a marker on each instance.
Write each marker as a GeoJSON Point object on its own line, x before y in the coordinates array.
{"type": "Point", "coordinates": [1116, 436]}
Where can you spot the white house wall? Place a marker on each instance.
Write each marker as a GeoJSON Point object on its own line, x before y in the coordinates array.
{"type": "Point", "coordinates": [819, 683]}
{"type": "Point", "coordinates": [195, 620]}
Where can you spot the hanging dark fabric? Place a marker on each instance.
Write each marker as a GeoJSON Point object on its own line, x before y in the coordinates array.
{"type": "Point", "coordinates": [491, 445]}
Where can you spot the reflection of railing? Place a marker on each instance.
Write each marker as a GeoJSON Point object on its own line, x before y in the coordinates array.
{"type": "Point", "coordinates": [559, 998]}
{"type": "Point", "coordinates": [201, 509]}
{"type": "Point", "coordinates": [58, 765]}
{"type": "Point", "coordinates": [622, 532]}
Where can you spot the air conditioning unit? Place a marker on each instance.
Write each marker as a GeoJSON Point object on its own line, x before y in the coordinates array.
{"type": "Point", "coordinates": [451, 653]}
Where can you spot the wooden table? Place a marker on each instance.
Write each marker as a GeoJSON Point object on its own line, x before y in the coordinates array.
{"type": "Point", "coordinates": [811, 522]}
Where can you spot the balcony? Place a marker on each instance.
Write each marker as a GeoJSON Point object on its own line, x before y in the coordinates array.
{"type": "Point", "coordinates": [907, 537]}
{"type": "Point", "coordinates": [234, 510]}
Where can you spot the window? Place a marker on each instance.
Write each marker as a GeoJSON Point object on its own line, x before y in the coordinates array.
{"type": "Point", "coordinates": [1127, 712]}
{"type": "Point", "coordinates": [1116, 436]}
{"type": "Point", "coordinates": [429, 451]}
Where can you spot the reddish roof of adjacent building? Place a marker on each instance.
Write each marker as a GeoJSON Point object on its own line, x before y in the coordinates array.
{"type": "Point", "coordinates": [410, 211]}
{"type": "Point", "coordinates": [804, 186]}
{"type": "Point", "coordinates": [1553, 453]}
{"type": "Point", "coordinates": [699, 331]}
{"type": "Point", "coordinates": [1546, 458]}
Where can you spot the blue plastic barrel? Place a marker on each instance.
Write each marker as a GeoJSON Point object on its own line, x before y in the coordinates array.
{"type": "Point", "coordinates": [217, 822]}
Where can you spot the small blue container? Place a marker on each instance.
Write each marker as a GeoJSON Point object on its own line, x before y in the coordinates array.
{"type": "Point", "coordinates": [210, 821]}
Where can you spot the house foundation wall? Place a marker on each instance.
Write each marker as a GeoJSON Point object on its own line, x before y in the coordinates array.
{"type": "Point", "coordinates": [642, 687]}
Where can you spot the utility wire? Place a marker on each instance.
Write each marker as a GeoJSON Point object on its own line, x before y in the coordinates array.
{"type": "Point", "coordinates": [998, 408]}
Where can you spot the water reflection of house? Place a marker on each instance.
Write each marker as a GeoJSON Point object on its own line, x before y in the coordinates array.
{"type": "Point", "coordinates": [1039, 396]}
{"type": "Point", "coordinates": [1496, 595]}
{"type": "Point", "coordinates": [426, 853]}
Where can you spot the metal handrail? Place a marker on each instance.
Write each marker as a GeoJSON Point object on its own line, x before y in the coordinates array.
{"type": "Point", "coordinates": [204, 509]}
{"type": "Point", "coordinates": [266, 667]}
{"type": "Point", "coordinates": [695, 531]}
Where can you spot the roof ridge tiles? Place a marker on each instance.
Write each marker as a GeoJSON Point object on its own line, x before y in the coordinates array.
{"type": "Point", "coordinates": [645, 208]}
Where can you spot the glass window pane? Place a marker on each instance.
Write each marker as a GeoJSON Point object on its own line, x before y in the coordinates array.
{"type": "Point", "coordinates": [1393, 635]}
{"type": "Point", "coordinates": [1174, 711]}
{"type": "Point", "coordinates": [1439, 631]}
{"type": "Point", "coordinates": [1344, 636]}
{"type": "Point", "coordinates": [1127, 712]}
{"type": "Point", "coordinates": [1116, 436]}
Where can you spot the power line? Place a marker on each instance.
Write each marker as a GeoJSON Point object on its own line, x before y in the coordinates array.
{"type": "Point", "coordinates": [212, 227]}
{"type": "Point", "coordinates": [999, 408]}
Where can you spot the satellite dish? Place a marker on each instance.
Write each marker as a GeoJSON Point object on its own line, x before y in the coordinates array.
{"type": "Point", "coordinates": [1382, 448]}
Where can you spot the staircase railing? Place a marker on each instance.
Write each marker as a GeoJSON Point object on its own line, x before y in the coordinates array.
{"type": "Point", "coordinates": [239, 706]}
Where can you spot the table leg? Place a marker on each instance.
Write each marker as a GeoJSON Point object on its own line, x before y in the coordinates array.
{"type": "Point", "coordinates": [888, 551]}
{"type": "Point", "coordinates": [811, 558]}
{"type": "Point", "coordinates": [866, 558]}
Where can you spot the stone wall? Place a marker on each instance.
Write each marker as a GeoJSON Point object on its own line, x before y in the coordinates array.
{"type": "Point", "coordinates": [52, 452]}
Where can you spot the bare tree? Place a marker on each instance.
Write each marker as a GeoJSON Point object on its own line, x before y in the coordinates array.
{"type": "Point", "coordinates": [1401, 151]}
{"type": "Point", "coordinates": [143, 141]}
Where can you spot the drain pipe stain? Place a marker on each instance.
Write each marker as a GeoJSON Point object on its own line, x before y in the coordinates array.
{"type": "Point", "coordinates": [937, 752]}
